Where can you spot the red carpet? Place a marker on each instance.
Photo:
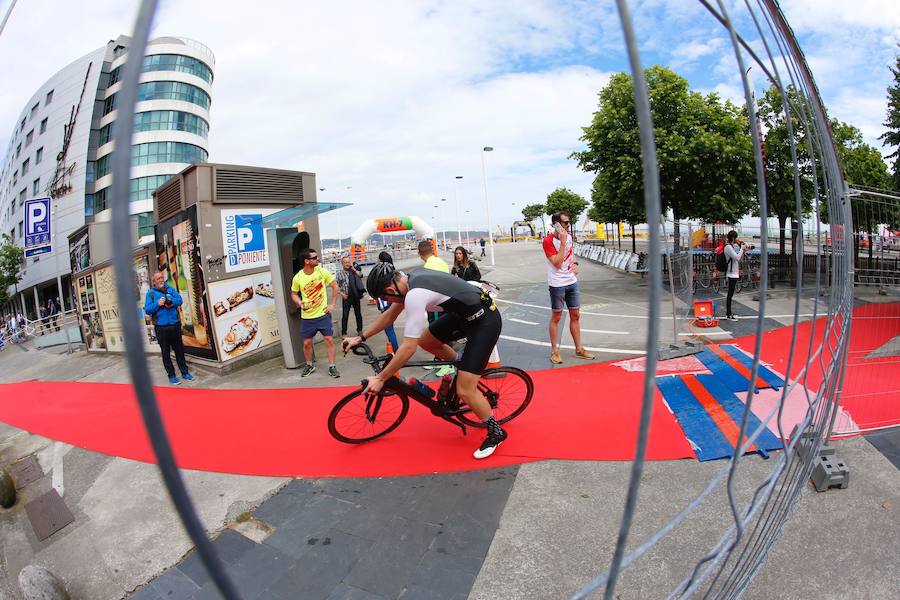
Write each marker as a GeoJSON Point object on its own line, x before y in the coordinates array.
{"type": "Point", "coordinates": [582, 413]}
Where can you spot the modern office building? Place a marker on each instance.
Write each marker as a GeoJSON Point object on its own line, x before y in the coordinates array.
{"type": "Point", "coordinates": [61, 147]}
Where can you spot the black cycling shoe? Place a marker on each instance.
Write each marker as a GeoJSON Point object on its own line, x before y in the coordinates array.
{"type": "Point", "coordinates": [491, 443]}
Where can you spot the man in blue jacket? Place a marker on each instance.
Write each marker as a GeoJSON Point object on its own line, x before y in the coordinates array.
{"type": "Point", "coordinates": [162, 305]}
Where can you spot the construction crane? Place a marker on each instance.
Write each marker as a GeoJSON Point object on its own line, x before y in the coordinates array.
{"type": "Point", "coordinates": [59, 184]}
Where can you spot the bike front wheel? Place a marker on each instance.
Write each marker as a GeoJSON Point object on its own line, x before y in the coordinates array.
{"type": "Point", "coordinates": [360, 417]}
{"type": "Point", "coordinates": [509, 392]}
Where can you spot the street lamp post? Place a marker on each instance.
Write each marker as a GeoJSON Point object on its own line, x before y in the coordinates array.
{"type": "Point", "coordinates": [458, 219]}
{"type": "Point", "coordinates": [467, 226]}
{"type": "Point", "coordinates": [487, 203]}
{"type": "Point", "coordinates": [443, 219]}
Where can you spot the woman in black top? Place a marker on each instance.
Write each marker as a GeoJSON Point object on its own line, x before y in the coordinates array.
{"type": "Point", "coordinates": [462, 267]}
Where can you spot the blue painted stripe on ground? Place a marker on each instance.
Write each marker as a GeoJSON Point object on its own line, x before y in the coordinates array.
{"type": "Point", "coordinates": [709, 441]}
{"type": "Point", "coordinates": [765, 373]}
{"type": "Point", "coordinates": [735, 407]}
{"type": "Point", "coordinates": [727, 374]}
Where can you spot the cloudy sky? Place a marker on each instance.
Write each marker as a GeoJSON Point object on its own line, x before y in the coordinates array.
{"type": "Point", "coordinates": [388, 102]}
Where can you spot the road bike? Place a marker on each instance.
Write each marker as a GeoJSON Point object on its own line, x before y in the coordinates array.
{"type": "Point", "coordinates": [361, 417]}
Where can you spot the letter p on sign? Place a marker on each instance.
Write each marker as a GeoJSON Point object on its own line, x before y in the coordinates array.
{"type": "Point", "coordinates": [37, 214]}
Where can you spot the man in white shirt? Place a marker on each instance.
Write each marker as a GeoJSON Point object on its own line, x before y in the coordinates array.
{"type": "Point", "coordinates": [562, 279]}
{"type": "Point", "coordinates": [733, 256]}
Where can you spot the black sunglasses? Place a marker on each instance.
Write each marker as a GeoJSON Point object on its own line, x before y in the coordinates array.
{"type": "Point", "coordinates": [312, 258]}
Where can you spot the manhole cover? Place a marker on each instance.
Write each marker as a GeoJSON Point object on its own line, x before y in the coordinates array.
{"type": "Point", "coordinates": [48, 514]}
{"type": "Point", "coordinates": [26, 471]}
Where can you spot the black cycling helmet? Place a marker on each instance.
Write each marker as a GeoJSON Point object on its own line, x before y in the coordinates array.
{"type": "Point", "coordinates": [381, 276]}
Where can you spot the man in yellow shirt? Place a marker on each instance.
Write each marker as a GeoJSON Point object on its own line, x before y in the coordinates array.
{"type": "Point", "coordinates": [308, 291]}
{"type": "Point", "coordinates": [432, 260]}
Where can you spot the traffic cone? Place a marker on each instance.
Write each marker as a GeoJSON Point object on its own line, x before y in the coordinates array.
{"type": "Point", "coordinates": [494, 360]}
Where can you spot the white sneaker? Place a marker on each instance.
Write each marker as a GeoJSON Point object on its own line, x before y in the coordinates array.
{"type": "Point", "coordinates": [490, 444]}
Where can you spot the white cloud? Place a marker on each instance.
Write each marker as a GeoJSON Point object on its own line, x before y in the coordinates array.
{"type": "Point", "coordinates": [396, 98]}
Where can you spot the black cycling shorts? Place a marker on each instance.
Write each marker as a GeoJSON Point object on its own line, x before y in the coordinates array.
{"type": "Point", "coordinates": [481, 337]}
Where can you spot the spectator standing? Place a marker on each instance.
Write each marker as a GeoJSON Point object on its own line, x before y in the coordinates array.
{"type": "Point", "coordinates": [383, 305]}
{"type": "Point", "coordinates": [432, 261]}
{"type": "Point", "coordinates": [349, 280]}
{"type": "Point", "coordinates": [161, 303]}
{"type": "Point", "coordinates": [53, 307]}
{"type": "Point", "coordinates": [734, 252]}
{"type": "Point", "coordinates": [463, 267]}
{"type": "Point", "coordinates": [309, 292]}
{"type": "Point", "coordinates": [481, 243]}
{"type": "Point", "coordinates": [43, 320]}
{"type": "Point", "coordinates": [562, 280]}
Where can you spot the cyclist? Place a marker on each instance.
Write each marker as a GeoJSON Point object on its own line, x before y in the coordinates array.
{"type": "Point", "coordinates": [467, 312]}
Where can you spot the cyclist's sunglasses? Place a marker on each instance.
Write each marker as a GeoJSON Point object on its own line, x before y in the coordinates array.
{"type": "Point", "coordinates": [312, 258]}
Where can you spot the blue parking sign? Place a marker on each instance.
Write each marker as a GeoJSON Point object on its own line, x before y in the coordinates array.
{"type": "Point", "coordinates": [37, 227]}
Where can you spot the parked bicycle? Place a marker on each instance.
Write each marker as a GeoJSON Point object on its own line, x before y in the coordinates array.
{"type": "Point", "coordinates": [361, 417]}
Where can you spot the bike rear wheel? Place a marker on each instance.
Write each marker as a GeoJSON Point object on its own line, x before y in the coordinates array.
{"type": "Point", "coordinates": [509, 391]}
{"type": "Point", "coordinates": [359, 418]}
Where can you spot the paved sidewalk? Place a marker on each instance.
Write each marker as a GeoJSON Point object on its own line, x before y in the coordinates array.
{"type": "Point", "coordinates": [537, 531]}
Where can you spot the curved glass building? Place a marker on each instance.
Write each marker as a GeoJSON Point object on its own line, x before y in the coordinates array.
{"type": "Point", "coordinates": [61, 146]}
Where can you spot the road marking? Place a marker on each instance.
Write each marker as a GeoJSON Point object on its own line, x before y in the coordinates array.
{"type": "Point", "coordinates": [57, 479]}
{"type": "Point", "coordinates": [523, 322]}
{"type": "Point", "coordinates": [594, 314]}
{"type": "Point", "coordinates": [708, 333]}
{"type": "Point", "coordinates": [547, 344]}
{"type": "Point", "coordinates": [605, 331]}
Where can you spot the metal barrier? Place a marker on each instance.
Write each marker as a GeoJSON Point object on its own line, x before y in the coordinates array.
{"type": "Point", "coordinates": [755, 525]}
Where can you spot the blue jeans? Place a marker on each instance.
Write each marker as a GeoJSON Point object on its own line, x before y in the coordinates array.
{"type": "Point", "coordinates": [564, 297]}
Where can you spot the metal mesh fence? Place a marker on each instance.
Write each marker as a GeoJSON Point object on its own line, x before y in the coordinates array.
{"type": "Point", "coordinates": [761, 37]}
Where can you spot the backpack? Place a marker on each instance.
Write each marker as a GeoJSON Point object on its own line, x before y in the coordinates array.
{"type": "Point", "coordinates": [721, 260]}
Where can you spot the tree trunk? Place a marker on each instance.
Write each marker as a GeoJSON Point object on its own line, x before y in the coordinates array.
{"type": "Point", "coordinates": [795, 238]}
{"type": "Point", "coordinates": [782, 221]}
{"type": "Point", "coordinates": [633, 240]}
{"type": "Point", "coordinates": [619, 234]}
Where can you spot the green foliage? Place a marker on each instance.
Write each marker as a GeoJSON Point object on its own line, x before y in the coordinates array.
{"type": "Point", "coordinates": [704, 152]}
{"type": "Point", "coordinates": [891, 137]}
{"type": "Point", "coordinates": [11, 260]}
{"type": "Point", "coordinates": [567, 200]}
{"type": "Point", "coordinates": [533, 211]}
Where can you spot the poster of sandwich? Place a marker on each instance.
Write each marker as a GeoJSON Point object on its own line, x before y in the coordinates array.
{"type": "Point", "coordinates": [178, 258]}
{"type": "Point", "coordinates": [244, 309]}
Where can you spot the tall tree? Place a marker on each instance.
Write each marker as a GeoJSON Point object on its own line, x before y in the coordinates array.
{"type": "Point", "coordinates": [891, 137]}
{"type": "Point", "coordinates": [11, 260]}
{"type": "Point", "coordinates": [535, 211]}
{"type": "Point", "coordinates": [780, 182]}
{"type": "Point", "coordinates": [611, 208]}
{"type": "Point", "coordinates": [567, 200]}
{"type": "Point", "coordinates": [704, 151]}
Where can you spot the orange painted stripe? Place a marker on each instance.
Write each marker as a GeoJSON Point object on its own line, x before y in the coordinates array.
{"type": "Point", "coordinates": [719, 415]}
{"type": "Point", "coordinates": [737, 366]}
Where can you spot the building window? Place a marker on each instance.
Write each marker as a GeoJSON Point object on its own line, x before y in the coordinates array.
{"type": "Point", "coordinates": [114, 76]}
{"type": "Point", "coordinates": [49, 98]}
{"type": "Point", "coordinates": [25, 165]}
{"type": "Point", "coordinates": [21, 227]}
{"type": "Point", "coordinates": [15, 176]}
{"type": "Point", "coordinates": [165, 152]}
{"type": "Point", "coordinates": [145, 224]}
{"type": "Point", "coordinates": [103, 136]}
{"type": "Point", "coordinates": [109, 104]}
{"type": "Point", "coordinates": [89, 172]}
{"type": "Point", "coordinates": [34, 109]}
{"type": "Point", "coordinates": [22, 125]}
{"type": "Point", "coordinates": [38, 155]}
{"type": "Point", "coordinates": [101, 167]}
{"type": "Point", "coordinates": [143, 187]}
{"type": "Point", "coordinates": [43, 126]}
{"type": "Point", "coordinates": [173, 90]}
{"type": "Point", "coordinates": [89, 205]}
{"type": "Point", "coordinates": [173, 120]}
{"type": "Point", "coordinates": [177, 62]}
{"type": "Point", "coordinates": [36, 186]}
{"type": "Point", "coordinates": [22, 196]}
{"type": "Point", "coordinates": [100, 200]}
{"type": "Point", "coordinates": [18, 150]}
{"type": "Point", "coordinates": [29, 138]}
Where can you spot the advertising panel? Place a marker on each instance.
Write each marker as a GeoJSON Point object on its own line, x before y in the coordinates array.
{"type": "Point", "coordinates": [80, 251]}
{"type": "Point", "coordinates": [108, 307]}
{"type": "Point", "coordinates": [245, 318]}
{"type": "Point", "coordinates": [142, 284]}
{"type": "Point", "coordinates": [37, 226]}
{"type": "Point", "coordinates": [243, 238]}
{"type": "Point", "coordinates": [91, 326]}
{"type": "Point", "coordinates": [178, 257]}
